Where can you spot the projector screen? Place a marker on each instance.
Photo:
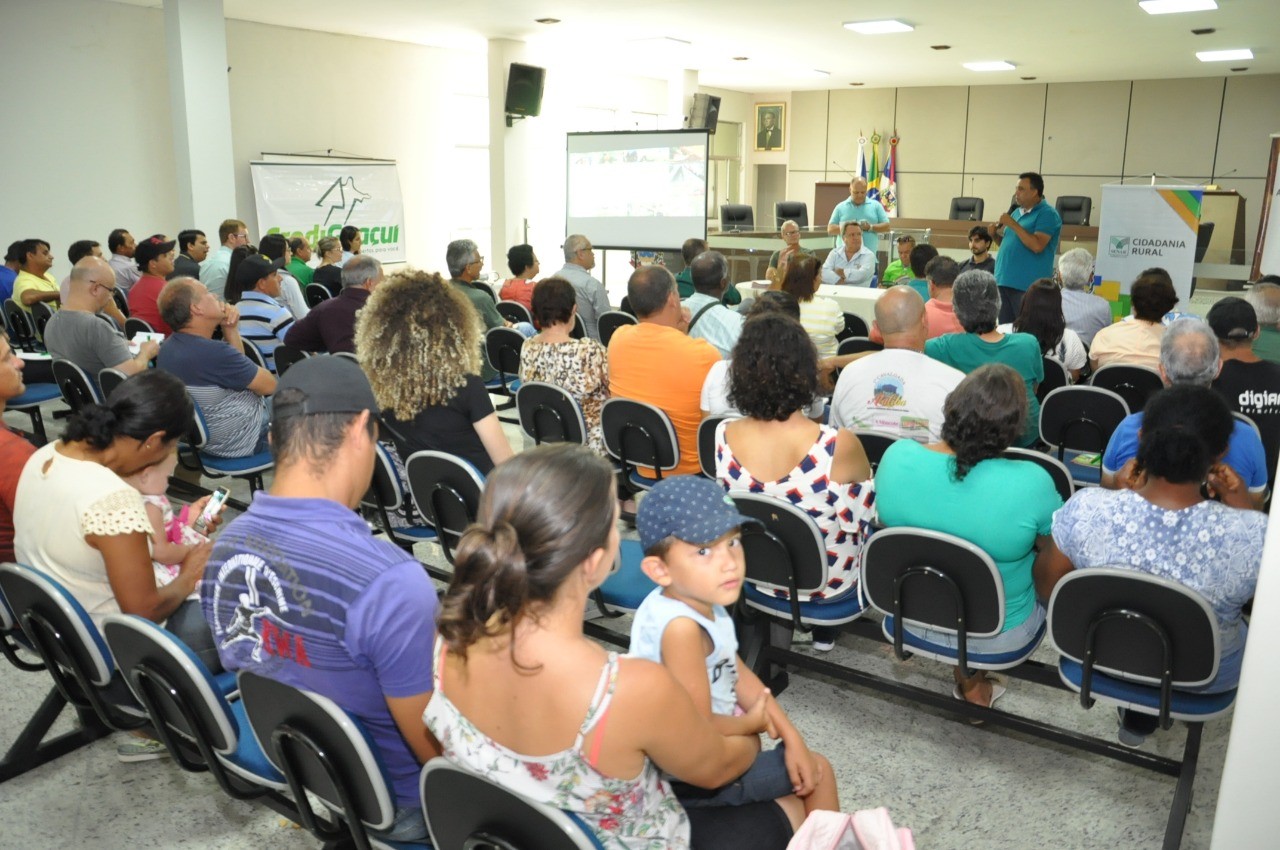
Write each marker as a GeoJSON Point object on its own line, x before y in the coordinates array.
{"type": "Point", "coordinates": [645, 189]}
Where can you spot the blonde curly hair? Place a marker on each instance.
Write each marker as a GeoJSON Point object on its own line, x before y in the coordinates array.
{"type": "Point", "coordinates": [417, 338]}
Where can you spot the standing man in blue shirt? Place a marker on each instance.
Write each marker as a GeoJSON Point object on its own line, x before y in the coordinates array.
{"type": "Point", "coordinates": [869, 214]}
{"type": "Point", "coordinates": [1023, 260]}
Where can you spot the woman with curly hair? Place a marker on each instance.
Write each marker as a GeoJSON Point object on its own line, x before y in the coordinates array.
{"type": "Point", "coordinates": [580, 366]}
{"type": "Point", "coordinates": [777, 450]}
{"type": "Point", "coordinates": [418, 340]}
{"type": "Point", "coordinates": [962, 486]}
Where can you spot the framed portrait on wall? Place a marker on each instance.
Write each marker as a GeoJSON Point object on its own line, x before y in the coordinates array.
{"type": "Point", "coordinates": [770, 124]}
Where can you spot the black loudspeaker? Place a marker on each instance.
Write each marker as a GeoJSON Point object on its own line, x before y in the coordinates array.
{"type": "Point", "coordinates": [705, 112]}
{"type": "Point", "coordinates": [524, 90]}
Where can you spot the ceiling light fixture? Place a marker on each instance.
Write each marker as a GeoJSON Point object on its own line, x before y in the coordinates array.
{"type": "Point", "coordinates": [877, 27]}
{"type": "Point", "coordinates": [939, 47]}
{"type": "Point", "coordinates": [857, 84]}
{"type": "Point", "coordinates": [1028, 78]}
{"type": "Point", "coordinates": [989, 66]}
{"type": "Point", "coordinates": [1238, 70]}
{"type": "Point", "coordinates": [1204, 31]}
{"type": "Point", "coordinates": [740, 59]}
{"type": "Point", "coordinates": [546, 20]}
{"type": "Point", "coordinates": [1224, 55]}
{"type": "Point", "coordinates": [1170, 7]}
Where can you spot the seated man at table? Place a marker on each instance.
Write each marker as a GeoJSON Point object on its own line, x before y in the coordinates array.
{"type": "Point", "coordinates": [656, 362]}
{"type": "Point", "coordinates": [900, 390]}
{"type": "Point", "coordinates": [230, 388]}
{"type": "Point", "coordinates": [852, 262]}
{"type": "Point", "coordinates": [1189, 355]}
{"type": "Point", "coordinates": [709, 318]}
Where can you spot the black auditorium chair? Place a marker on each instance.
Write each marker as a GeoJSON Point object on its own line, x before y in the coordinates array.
{"type": "Point", "coordinates": [446, 490]}
{"type": "Point", "coordinates": [134, 326]}
{"type": "Point", "coordinates": [854, 325]}
{"type": "Point", "coordinates": [1057, 470]}
{"type": "Point", "coordinates": [737, 217]}
{"type": "Point", "coordinates": [579, 329]}
{"type": "Point", "coordinates": [966, 209]}
{"type": "Point", "coordinates": [857, 344]}
{"type": "Point", "coordinates": [316, 294]}
{"type": "Point", "coordinates": [875, 444]}
{"type": "Point", "coordinates": [41, 313]}
{"type": "Point", "coordinates": [514, 311]}
{"type": "Point", "coordinates": [468, 811]}
{"type": "Point", "coordinates": [1055, 375]}
{"type": "Point", "coordinates": [286, 355]}
{"type": "Point", "coordinates": [190, 712]}
{"type": "Point", "coordinates": [486, 289]}
{"type": "Point", "coordinates": [1080, 419]}
{"type": "Point", "coordinates": [122, 302]}
{"type": "Point", "coordinates": [502, 347]}
{"type": "Point", "coordinates": [250, 468]}
{"type": "Point", "coordinates": [75, 385]}
{"type": "Point", "coordinates": [1074, 209]}
{"type": "Point", "coordinates": [788, 553]}
{"type": "Point", "coordinates": [639, 434]}
{"type": "Point", "coordinates": [927, 579]}
{"type": "Point", "coordinates": [255, 354]}
{"type": "Point", "coordinates": [386, 498]}
{"type": "Point", "coordinates": [549, 414]}
{"type": "Point", "coordinates": [22, 329]}
{"type": "Point", "coordinates": [610, 321]}
{"type": "Point", "coordinates": [29, 403]}
{"type": "Point", "coordinates": [1138, 641]}
{"type": "Point", "coordinates": [109, 379]}
{"type": "Point", "coordinates": [797, 211]}
{"type": "Point", "coordinates": [321, 750]}
{"type": "Point", "coordinates": [707, 445]}
{"type": "Point", "coordinates": [1134, 384]}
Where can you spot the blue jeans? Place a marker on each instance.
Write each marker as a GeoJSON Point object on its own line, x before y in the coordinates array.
{"type": "Point", "coordinates": [408, 826]}
{"type": "Point", "coordinates": [188, 625]}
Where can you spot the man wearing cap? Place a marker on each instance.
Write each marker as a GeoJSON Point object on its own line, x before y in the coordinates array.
{"type": "Point", "coordinates": [76, 333]}
{"type": "Point", "coordinates": [1248, 384]}
{"type": "Point", "coordinates": [229, 387]}
{"type": "Point", "coordinates": [154, 256]}
{"type": "Point", "coordinates": [297, 589]}
{"type": "Point", "coordinates": [331, 325]}
{"type": "Point", "coordinates": [263, 320]}
{"type": "Point", "coordinates": [34, 283]}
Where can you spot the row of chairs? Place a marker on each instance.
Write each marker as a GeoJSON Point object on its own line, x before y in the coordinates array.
{"type": "Point", "coordinates": [260, 739]}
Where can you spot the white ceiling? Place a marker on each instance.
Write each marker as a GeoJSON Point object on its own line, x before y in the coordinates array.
{"type": "Point", "coordinates": [785, 41]}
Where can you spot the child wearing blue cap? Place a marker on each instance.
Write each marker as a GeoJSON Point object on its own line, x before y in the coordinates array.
{"type": "Point", "coordinates": [691, 533]}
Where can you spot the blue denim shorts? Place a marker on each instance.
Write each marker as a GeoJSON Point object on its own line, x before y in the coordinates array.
{"type": "Point", "coordinates": [766, 780]}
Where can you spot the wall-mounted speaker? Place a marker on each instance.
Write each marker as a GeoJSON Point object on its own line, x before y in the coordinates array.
{"type": "Point", "coordinates": [705, 112]}
{"type": "Point", "coordinates": [524, 90]}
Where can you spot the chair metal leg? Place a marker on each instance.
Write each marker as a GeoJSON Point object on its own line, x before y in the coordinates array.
{"type": "Point", "coordinates": [1182, 794]}
{"type": "Point", "coordinates": [31, 750]}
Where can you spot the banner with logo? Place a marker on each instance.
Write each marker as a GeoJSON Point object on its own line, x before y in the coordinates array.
{"type": "Point", "coordinates": [314, 199]}
{"type": "Point", "coordinates": [1145, 226]}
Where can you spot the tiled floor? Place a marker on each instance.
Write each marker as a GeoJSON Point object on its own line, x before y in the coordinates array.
{"type": "Point", "coordinates": [958, 786]}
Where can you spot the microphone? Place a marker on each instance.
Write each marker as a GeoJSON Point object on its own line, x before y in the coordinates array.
{"type": "Point", "coordinates": [842, 168]}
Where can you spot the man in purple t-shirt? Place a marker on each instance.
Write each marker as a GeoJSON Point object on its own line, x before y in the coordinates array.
{"type": "Point", "coordinates": [298, 589]}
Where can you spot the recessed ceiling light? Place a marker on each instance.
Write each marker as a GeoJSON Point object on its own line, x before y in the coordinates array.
{"type": "Point", "coordinates": [857, 84]}
{"type": "Point", "coordinates": [939, 47]}
{"type": "Point", "coordinates": [1238, 70]}
{"type": "Point", "coordinates": [989, 66]}
{"type": "Point", "coordinates": [1028, 78]}
{"type": "Point", "coordinates": [878, 27]}
{"type": "Point", "coordinates": [1204, 31]}
{"type": "Point", "coordinates": [1169, 7]}
{"type": "Point", "coordinates": [546, 20]}
{"type": "Point", "coordinates": [1224, 55]}
{"type": "Point", "coordinates": [740, 59]}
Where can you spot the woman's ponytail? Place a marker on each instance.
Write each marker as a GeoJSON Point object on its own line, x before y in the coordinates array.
{"type": "Point", "coordinates": [489, 589]}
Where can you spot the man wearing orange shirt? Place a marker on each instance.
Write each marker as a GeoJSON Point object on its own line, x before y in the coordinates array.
{"type": "Point", "coordinates": [656, 362]}
{"type": "Point", "coordinates": [940, 273]}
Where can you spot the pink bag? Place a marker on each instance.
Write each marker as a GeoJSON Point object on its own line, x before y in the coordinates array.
{"type": "Point", "coordinates": [869, 829]}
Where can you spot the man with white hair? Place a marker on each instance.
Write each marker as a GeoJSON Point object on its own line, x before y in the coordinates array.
{"type": "Point", "coordinates": [579, 260]}
{"type": "Point", "coordinates": [1189, 354]}
{"type": "Point", "coordinates": [1265, 298]}
{"type": "Point", "coordinates": [1086, 313]}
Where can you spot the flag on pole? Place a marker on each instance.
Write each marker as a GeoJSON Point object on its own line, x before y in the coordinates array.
{"type": "Point", "coordinates": [889, 180]}
{"type": "Point", "coordinates": [873, 179]}
{"type": "Point", "coordinates": [860, 167]}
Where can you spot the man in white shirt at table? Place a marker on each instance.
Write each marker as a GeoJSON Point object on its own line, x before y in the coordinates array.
{"type": "Point", "coordinates": [852, 263]}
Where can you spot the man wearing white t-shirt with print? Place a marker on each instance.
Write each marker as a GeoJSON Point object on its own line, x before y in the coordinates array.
{"type": "Point", "coordinates": [900, 390]}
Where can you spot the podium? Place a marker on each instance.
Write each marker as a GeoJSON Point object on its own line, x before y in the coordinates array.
{"type": "Point", "coordinates": [1225, 208]}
